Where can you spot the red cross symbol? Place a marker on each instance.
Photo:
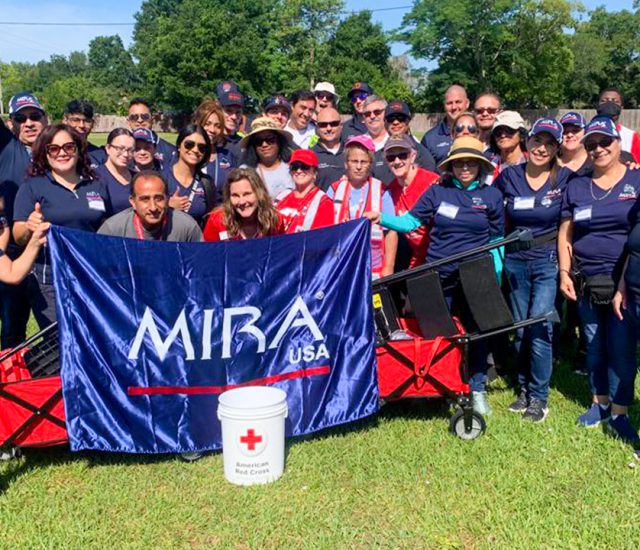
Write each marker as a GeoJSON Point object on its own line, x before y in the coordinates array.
{"type": "Point", "coordinates": [251, 439]}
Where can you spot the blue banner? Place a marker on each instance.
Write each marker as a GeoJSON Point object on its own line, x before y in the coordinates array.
{"type": "Point", "coordinates": [152, 332]}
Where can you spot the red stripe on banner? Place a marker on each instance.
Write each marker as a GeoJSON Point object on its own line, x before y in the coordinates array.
{"type": "Point", "coordinates": [203, 390]}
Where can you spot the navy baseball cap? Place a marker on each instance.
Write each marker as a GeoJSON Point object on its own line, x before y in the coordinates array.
{"type": "Point", "coordinates": [22, 101]}
{"type": "Point", "coordinates": [360, 87]}
{"type": "Point", "coordinates": [231, 98]}
{"type": "Point", "coordinates": [225, 87]}
{"type": "Point", "coordinates": [397, 108]}
{"type": "Point", "coordinates": [276, 101]}
{"type": "Point", "coordinates": [601, 125]}
{"type": "Point", "coordinates": [144, 134]}
{"type": "Point", "coordinates": [573, 118]}
{"type": "Point", "coordinates": [548, 125]}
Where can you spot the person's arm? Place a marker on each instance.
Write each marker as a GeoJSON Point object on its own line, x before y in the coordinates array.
{"type": "Point", "coordinates": [390, 252]}
{"type": "Point", "coordinates": [23, 231]}
{"type": "Point", "coordinates": [619, 301]}
{"type": "Point", "coordinates": [6, 135]}
{"type": "Point", "coordinates": [13, 272]}
{"type": "Point", "coordinates": [565, 254]}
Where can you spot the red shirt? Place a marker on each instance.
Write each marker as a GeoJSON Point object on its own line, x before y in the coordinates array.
{"type": "Point", "coordinates": [293, 210]}
{"type": "Point", "coordinates": [216, 230]}
{"type": "Point", "coordinates": [403, 199]}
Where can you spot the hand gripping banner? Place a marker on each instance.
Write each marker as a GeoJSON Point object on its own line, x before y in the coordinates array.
{"type": "Point", "coordinates": [152, 332]}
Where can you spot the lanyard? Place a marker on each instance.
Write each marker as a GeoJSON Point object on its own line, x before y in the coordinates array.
{"type": "Point", "coordinates": [137, 224]}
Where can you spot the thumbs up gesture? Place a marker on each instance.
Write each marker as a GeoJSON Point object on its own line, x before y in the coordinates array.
{"type": "Point", "coordinates": [35, 218]}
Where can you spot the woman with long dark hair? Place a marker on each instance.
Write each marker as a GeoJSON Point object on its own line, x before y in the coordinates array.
{"type": "Point", "coordinates": [61, 190]}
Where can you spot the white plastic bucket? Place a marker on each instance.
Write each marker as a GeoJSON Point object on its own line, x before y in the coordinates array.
{"type": "Point", "coordinates": [253, 434]}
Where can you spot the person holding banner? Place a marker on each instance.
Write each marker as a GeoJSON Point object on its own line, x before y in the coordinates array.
{"type": "Point", "coordinates": [246, 211]}
{"type": "Point", "coordinates": [116, 173]}
{"type": "Point", "coordinates": [463, 213]}
{"type": "Point", "coordinates": [358, 192]}
{"type": "Point", "coordinates": [62, 191]}
{"type": "Point", "coordinates": [191, 190]}
{"type": "Point", "coordinates": [149, 217]}
{"type": "Point", "coordinates": [307, 206]}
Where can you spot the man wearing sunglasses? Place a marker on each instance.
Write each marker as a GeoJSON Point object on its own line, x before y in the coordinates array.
{"type": "Point", "coordinates": [27, 119]}
{"type": "Point", "coordinates": [140, 116]}
{"type": "Point", "coordinates": [486, 107]}
{"type": "Point", "coordinates": [357, 96]}
{"type": "Point", "coordinates": [78, 114]}
{"type": "Point", "coordinates": [329, 150]}
{"type": "Point", "coordinates": [438, 139]}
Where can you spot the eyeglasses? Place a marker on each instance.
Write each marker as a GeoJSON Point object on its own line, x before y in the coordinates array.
{"type": "Point", "coordinates": [269, 140]}
{"type": "Point", "coordinates": [78, 120]}
{"type": "Point", "coordinates": [145, 117]}
{"type": "Point", "coordinates": [69, 148]}
{"type": "Point", "coordinates": [373, 112]}
{"type": "Point", "coordinates": [332, 123]}
{"type": "Point", "coordinates": [488, 110]}
{"type": "Point", "coordinates": [397, 118]}
{"type": "Point", "coordinates": [122, 150]}
{"type": "Point", "coordinates": [504, 131]}
{"type": "Point", "coordinates": [295, 166]}
{"type": "Point", "coordinates": [393, 156]}
{"type": "Point", "coordinates": [471, 128]}
{"type": "Point", "coordinates": [603, 142]}
{"type": "Point", "coordinates": [359, 96]}
{"type": "Point", "coordinates": [21, 118]}
{"type": "Point", "coordinates": [324, 95]}
{"type": "Point", "coordinates": [465, 163]}
{"type": "Point", "coordinates": [189, 144]}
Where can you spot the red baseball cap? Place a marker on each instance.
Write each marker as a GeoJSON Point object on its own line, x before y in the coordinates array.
{"type": "Point", "coordinates": [305, 156]}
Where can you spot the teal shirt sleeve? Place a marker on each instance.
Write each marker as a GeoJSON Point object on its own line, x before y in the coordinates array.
{"type": "Point", "coordinates": [498, 259]}
{"type": "Point", "coordinates": [402, 224]}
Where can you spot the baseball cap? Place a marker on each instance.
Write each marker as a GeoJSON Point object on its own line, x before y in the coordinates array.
{"type": "Point", "coordinates": [22, 101]}
{"type": "Point", "coordinates": [305, 156]}
{"type": "Point", "coordinates": [144, 134]}
{"type": "Point", "coordinates": [231, 98]}
{"type": "Point", "coordinates": [360, 87]}
{"type": "Point", "coordinates": [601, 125]}
{"type": "Point", "coordinates": [276, 101]}
{"type": "Point", "coordinates": [573, 118]}
{"type": "Point", "coordinates": [363, 140]}
{"type": "Point", "coordinates": [325, 87]}
{"type": "Point", "coordinates": [225, 87]}
{"type": "Point", "coordinates": [400, 142]}
{"type": "Point", "coordinates": [548, 125]}
{"type": "Point", "coordinates": [510, 119]}
{"type": "Point", "coordinates": [397, 108]}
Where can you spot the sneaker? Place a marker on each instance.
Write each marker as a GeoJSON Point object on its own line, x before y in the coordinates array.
{"type": "Point", "coordinates": [536, 411]}
{"type": "Point", "coordinates": [520, 404]}
{"type": "Point", "coordinates": [593, 416]}
{"type": "Point", "coordinates": [621, 427]}
{"type": "Point", "coordinates": [480, 403]}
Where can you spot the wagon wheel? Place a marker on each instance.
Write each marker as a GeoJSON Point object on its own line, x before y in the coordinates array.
{"type": "Point", "coordinates": [457, 427]}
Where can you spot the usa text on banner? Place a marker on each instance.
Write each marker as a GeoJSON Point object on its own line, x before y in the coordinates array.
{"type": "Point", "coordinates": [152, 332]}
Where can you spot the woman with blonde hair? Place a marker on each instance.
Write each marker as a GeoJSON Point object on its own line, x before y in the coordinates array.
{"type": "Point", "coordinates": [246, 211]}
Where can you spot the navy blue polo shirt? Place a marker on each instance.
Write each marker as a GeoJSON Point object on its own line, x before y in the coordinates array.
{"type": "Point", "coordinates": [198, 207]}
{"type": "Point", "coordinates": [98, 155]}
{"type": "Point", "coordinates": [632, 275]}
{"type": "Point", "coordinates": [165, 152]}
{"type": "Point", "coordinates": [219, 169]}
{"type": "Point", "coordinates": [438, 141]}
{"type": "Point", "coordinates": [14, 164]}
{"type": "Point", "coordinates": [118, 193]}
{"type": "Point", "coordinates": [84, 208]}
{"type": "Point", "coordinates": [538, 210]}
{"type": "Point", "coordinates": [460, 219]}
{"type": "Point", "coordinates": [353, 127]}
{"type": "Point", "coordinates": [330, 165]}
{"type": "Point", "coordinates": [600, 227]}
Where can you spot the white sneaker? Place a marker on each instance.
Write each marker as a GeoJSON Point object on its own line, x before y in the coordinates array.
{"type": "Point", "coordinates": [480, 403]}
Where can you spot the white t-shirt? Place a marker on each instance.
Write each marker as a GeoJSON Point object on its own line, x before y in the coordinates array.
{"type": "Point", "coordinates": [302, 138]}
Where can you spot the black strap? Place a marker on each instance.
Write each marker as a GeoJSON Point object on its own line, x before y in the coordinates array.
{"type": "Point", "coordinates": [528, 245]}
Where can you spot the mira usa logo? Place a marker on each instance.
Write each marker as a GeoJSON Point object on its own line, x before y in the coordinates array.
{"type": "Point", "coordinates": [247, 317]}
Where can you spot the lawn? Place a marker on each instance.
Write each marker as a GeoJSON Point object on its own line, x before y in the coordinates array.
{"type": "Point", "coordinates": [101, 139]}
{"type": "Point", "coordinates": [398, 480]}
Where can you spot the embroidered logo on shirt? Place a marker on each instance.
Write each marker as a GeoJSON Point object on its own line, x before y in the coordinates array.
{"type": "Point", "coordinates": [548, 198]}
{"type": "Point", "coordinates": [628, 193]}
{"type": "Point", "coordinates": [478, 203]}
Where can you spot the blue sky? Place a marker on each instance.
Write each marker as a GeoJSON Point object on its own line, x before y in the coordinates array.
{"type": "Point", "coordinates": [32, 43]}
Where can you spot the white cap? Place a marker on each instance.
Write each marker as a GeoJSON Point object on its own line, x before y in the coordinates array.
{"type": "Point", "coordinates": [325, 87]}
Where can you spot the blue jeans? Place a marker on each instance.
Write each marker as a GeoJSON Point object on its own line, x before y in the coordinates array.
{"type": "Point", "coordinates": [533, 285]}
{"type": "Point", "coordinates": [611, 351]}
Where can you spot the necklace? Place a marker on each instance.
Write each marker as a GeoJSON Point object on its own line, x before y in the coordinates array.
{"type": "Point", "coordinates": [593, 196]}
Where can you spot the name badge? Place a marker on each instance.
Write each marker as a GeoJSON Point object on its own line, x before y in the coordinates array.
{"type": "Point", "coordinates": [523, 203]}
{"type": "Point", "coordinates": [448, 210]}
{"type": "Point", "coordinates": [97, 204]}
{"type": "Point", "coordinates": [223, 235]}
{"type": "Point", "coordinates": [581, 214]}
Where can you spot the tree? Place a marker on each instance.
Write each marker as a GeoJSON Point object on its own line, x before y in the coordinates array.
{"type": "Point", "coordinates": [110, 63]}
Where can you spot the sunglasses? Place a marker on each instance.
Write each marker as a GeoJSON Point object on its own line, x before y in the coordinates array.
{"type": "Point", "coordinates": [400, 156]}
{"type": "Point", "coordinates": [189, 144]}
{"type": "Point", "coordinates": [465, 163]}
{"type": "Point", "coordinates": [324, 95]}
{"type": "Point", "coordinates": [359, 96]}
{"type": "Point", "coordinates": [269, 140]}
{"type": "Point", "coordinates": [373, 112]}
{"type": "Point", "coordinates": [604, 142]}
{"type": "Point", "coordinates": [143, 117]}
{"type": "Point", "coordinates": [397, 118]}
{"type": "Point", "coordinates": [295, 166]}
{"type": "Point", "coordinates": [471, 128]}
{"type": "Point", "coordinates": [332, 123]}
{"type": "Point", "coordinates": [488, 110]}
{"type": "Point", "coordinates": [69, 148]}
{"type": "Point", "coordinates": [504, 131]}
{"type": "Point", "coordinates": [21, 118]}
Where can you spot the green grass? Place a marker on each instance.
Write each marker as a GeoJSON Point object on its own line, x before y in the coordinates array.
{"type": "Point", "coordinates": [101, 139]}
{"type": "Point", "coordinates": [398, 480]}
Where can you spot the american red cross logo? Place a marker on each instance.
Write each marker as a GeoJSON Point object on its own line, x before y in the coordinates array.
{"type": "Point", "coordinates": [251, 439]}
